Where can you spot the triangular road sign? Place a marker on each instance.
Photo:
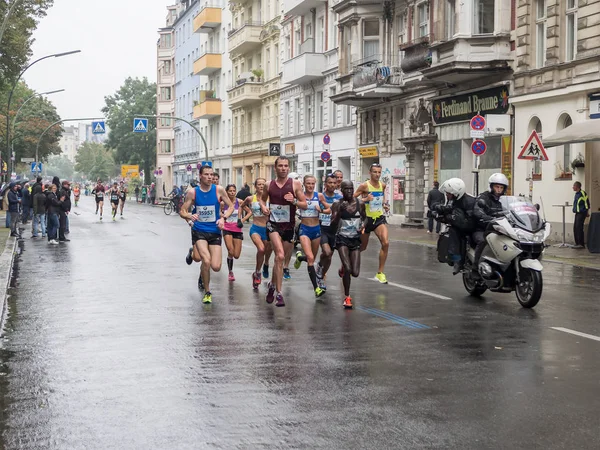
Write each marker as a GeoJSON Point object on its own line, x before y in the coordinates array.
{"type": "Point", "coordinates": [533, 149]}
{"type": "Point", "coordinates": [99, 128]}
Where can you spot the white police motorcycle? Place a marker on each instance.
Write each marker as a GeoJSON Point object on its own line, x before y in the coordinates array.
{"type": "Point", "coordinates": [511, 259]}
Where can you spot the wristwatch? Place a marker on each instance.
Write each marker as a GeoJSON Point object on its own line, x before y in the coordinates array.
{"type": "Point", "coordinates": [295, 202]}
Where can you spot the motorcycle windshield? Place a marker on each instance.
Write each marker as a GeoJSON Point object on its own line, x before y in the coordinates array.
{"type": "Point", "coordinates": [523, 211]}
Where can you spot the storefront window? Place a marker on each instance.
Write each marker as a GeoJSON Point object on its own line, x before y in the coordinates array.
{"type": "Point", "coordinates": [492, 158]}
{"type": "Point", "coordinates": [451, 155]}
{"type": "Point", "coordinates": [397, 195]}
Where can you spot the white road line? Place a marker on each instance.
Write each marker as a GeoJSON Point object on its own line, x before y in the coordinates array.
{"type": "Point", "coordinates": [577, 333]}
{"type": "Point", "coordinates": [419, 291]}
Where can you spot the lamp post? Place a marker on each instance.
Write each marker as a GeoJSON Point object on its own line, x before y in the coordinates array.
{"type": "Point", "coordinates": [14, 122]}
{"type": "Point", "coordinates": [55, 55]}
{"type": "Point", "coordinates": [6, 17]}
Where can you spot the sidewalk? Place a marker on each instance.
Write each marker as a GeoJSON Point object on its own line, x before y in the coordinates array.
{"type": "Point", "coordinates": [7, 255]}
{"type": "Point", "coordinates": [581, 258]}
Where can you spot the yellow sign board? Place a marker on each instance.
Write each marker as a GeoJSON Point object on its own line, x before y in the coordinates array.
{"type": "Point", "coordinates": [368, 152]}
{"type": "Point", "coordinates": [130, 171]}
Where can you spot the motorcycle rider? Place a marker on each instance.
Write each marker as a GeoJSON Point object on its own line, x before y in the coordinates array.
{"type": "Point", "coordinates": [458, 213]}
{"type": "Point", "coordinates": [487, 208]}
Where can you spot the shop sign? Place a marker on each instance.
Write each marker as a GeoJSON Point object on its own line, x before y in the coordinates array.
{"type": "Point", "coordinates": [466, 106]}
{"type": "Point", "coordinates": [368, 152]}
{"type": "Point", "coordinates": [290, 149]}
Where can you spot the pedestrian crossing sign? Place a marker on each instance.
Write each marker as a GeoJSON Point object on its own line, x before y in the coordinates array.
{"type": "Point", "coordinates": [98, 127]}
{"type": "Point", "coordinates": [533, 149]}
{"type": "Point", "coordinates": [36, 167]}
{"type": "Point", "coordinates": [140, 125]}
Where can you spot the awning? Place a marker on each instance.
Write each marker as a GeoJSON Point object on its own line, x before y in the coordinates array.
{"type": "Point", "coordinates": [586, 131]}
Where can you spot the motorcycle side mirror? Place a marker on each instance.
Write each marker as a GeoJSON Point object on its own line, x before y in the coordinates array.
{"type": "Point", "coordinates": [537, 206]}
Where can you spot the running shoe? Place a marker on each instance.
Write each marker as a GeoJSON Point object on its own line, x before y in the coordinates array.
{"type": "Point", "coordinates": [114, 219]}
{"type": "Point", "coordinates": [319, 292]}
{"type": "Point", "coordinates": [341, 272]}
{"type": "Point", "coordinates": [348, 302]}
{"type": "Point", "coordinates": [265, 273]}
{"type": "Point", "coordinates": [321, 284]}
{"type": "Point", "coordinates": [231, 276]}
{"type": "Point", "coordinates": [381, 278]}
{"type": "Point", "coordinates": [319, 271]}
{"type": "Point", "coordinates": [286, 274]}
{"type": "Point", "coordinates": [298, 262]}
{"type": "Point", "coordinates": [100, 217]}
{"type": "Point", "coordinates": [207, 298]}
{"type": "Point", "coordinates": [279, 302]}
{"type": "Point", "coordinates": [200, 283]}
{"type": "Point", "coordinates": [270, 293]}
{"type": "Point", "coordinates": [255, 280]}
{"type": "Point", "coordinates": [188, 259]}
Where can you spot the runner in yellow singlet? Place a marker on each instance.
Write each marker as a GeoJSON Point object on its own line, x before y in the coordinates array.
{"type": "Point", "coordinates": [373, 193]}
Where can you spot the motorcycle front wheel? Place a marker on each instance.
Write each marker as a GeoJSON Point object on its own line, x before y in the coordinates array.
{"type": "Point", "coordinates": [168, 209]}
{"type": "Point", "coordinates": [529, 289]}
{"type": "Point", "coordinates": [474, 288]}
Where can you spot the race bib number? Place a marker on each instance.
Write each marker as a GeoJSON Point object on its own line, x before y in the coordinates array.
{"type": "Point", "coordinates": [207, 214]}
{"type": "Point", "coordinates": [100, 194]}
{"type": "Point", "coordinates": [114, 197]}
{"type": "Point", "coordinates": [311, 211]}
{"type": "Point", "coordinates": [325, 219]}
{"type": "Point", "coordinates": [350, 227]}
{"type": "Point", "coordinates": [376, 205]}
{"type": "Point", "coordinates": [280, 213]}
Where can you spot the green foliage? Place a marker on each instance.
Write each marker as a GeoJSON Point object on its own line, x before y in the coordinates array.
{"type": "Point", "coordinates": [95, 161]}
{"type": "Point", "coordinates": [134, 182]}
{"type": "Point", "coordinates": [60, 166]}
{"type": "Point", "coordinates": [135, 97]}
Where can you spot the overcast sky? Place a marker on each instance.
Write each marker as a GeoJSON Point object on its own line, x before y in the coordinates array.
{"type": "Point", "coordinates": [117, 39]}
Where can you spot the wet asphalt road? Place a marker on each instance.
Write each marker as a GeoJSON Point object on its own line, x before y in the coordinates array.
{"type": "Point", "coordinates": [108, 346]}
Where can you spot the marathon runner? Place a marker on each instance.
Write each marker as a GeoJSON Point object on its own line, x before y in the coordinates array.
{"type": "Point", "coordinates": [114, 200]}
{"type": "Point", "coordinates": [284, 196]}
{"type": "Point", "coordinates": [122, 197]}
{"type": "Point", "coordinates": [348, 218]}
{"type": "Point", "coordinates": [76, 193]}
{"type": "Point", "coordinates": [98, 192]}
{"type": "Point", "coordinates": [207, 223]}
{"type": "Point", "coordinates": [339, 177]}
{"type": "Point", "coordinates": [327, 231]}
{"type": "Point", "coordinates": [373, 194]}
{"type": "Point", "coordinates": [258, 233]}
{"type": "Point", "coordinates": [232, 229]}
{"type": "Point", "coordinates": [310, 231]}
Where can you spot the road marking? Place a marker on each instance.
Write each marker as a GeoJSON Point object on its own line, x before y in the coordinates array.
{"type": "Point", "coordinates": [419, 291]}
{"type": "Point", "coordinates": [577, 333]}
{"type": "Point", "coordinates": [394, 318]}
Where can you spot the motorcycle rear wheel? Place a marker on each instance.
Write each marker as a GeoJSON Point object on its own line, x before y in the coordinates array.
{"type": "Point", "coordinates": [529, 289]}
{"type": "Point", "coordinates": [168, 208]}
{"type": "Point", "coordinates": [474, 288]}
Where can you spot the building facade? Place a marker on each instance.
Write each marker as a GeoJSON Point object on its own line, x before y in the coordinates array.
{"type": "Point", "coordinates": [557, 83]}
{"type": "Point", "coordinates": [165, 101]}
{"type": "Point", "coordinates": [69, 141]}
{"type": "Point", "coordinates": [317, 134]}
{"type": "Point", "coordinates": [253, 90]}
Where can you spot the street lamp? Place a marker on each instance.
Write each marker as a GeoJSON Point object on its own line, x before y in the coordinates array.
{"type": "Point", "coordinates": [55, 55]}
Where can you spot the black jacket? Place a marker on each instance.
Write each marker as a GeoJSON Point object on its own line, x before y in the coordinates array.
{"type": "Point", "coordinates": [13, 201]}
{"type": "Point", "coordinates": [36, 188]}
{"type": "Point", "coordinates": [458, 213]}
{"type": "Point", "coordinates": [53, 204]}
{"type": "Point", "coordinates": [486, 209]}
{"type": "Point", "coordinates": [39, 203]}
{"type": "Point", "coordinates": [26, 198]}
{"type": "Point", "coordinates": [435, 196]}
{"type": "Point", "coordinates": [66, 204]}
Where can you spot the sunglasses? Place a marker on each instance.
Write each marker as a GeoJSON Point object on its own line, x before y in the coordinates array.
{"type": "Point", "coordinates": [374, 165]}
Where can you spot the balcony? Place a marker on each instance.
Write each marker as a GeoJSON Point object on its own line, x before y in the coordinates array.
{"type": "Point", "coordinates": [246, 38]}
{"type": "Point", "coordinates": [304, 68]}
{"type": "Point", "coordinates": [207, 20]}
{"type": "Point", "coordinates": [244, 93]}
{"type": "Point", "coordinates": [166, 52]}
{"type": "Point", "coordinates": [207, 64]}
{"type": "Point", "coordinates": [209, 106]}
{"type": "Point", "coordinates": [300, 7]}
{"type": "Point", "coordinates": [166, 80]}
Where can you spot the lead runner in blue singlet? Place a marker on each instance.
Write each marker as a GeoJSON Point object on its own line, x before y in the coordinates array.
{"type": "Point", "coordinates": [207, 223]}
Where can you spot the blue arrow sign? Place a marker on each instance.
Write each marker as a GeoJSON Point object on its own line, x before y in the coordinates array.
{"type": "Point", "coordinates": [140, 125]}
{"type": "Point", "coordinates": [98, 127]}
{"type": "Point", "coordinates": [36, 167]}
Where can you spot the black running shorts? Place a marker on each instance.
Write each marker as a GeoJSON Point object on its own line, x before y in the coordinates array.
{"type": "Point", "coordinates": [211, 238]}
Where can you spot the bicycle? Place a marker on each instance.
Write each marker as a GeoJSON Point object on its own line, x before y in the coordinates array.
{"type": "Point", "coordinates": [170, 206]}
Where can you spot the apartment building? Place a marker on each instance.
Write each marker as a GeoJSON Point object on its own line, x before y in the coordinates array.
{"type": "Point", "coordinates": [211, 24]}
{"type": "Point", "coordinates": [165, 101]}
{"type": "Point", "coordinates": [418, 71]}
{"type": "Point", "coordinates": [69, 141]}
{"type": "Point", "coordinates": [556, 84]}
{"type": "Point", "coordinates": [311, 122]}
{"type": "Point", "coordinates": [253, 89]}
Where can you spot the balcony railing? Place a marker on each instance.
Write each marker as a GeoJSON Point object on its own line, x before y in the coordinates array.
{"type": "Point", "coordinates": [303, 68]}
{"type": "Point", "coordinates": [207, 19]}
{"type": "Point", "coordinates": [244, 93]}
{"type": "Point", "coordinates": [208, 63]}
{"type": "Point", "coordinates": [245, 38]}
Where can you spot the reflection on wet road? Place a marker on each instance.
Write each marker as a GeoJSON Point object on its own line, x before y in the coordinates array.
{"type": "Point", "coordinates": [108, 346]}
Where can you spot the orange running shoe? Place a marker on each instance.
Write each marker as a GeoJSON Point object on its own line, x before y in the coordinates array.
{"type": "Point", "coordinates": [348, 302]}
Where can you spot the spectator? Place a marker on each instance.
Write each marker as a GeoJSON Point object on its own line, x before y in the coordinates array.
{"type": "Point", "coordinates": [244, 193]}
{"type": "Point", "coordinates": [56, 182]}
{"type": "Point", "coordinates": [153, 194]}
{"type": "Point", "coordinates": [53, 206]}
{"type": "Point", "coordinates": [25, 204]}
{"type": "Point", "coordinates": [144, 193]}
{"type": "Point", "coordinates": [13, 209]}
{"type": "Point", "coordinates": [137, 194]}
{"type": "Point", "coordinates": [164, 190]}
{"type": "Point", "coordinates": [581, 208]}
{"type": "Point", "coordinates": [434, 197]}
{"type": "Point", "coordinates": [39, 212]}
{"type": "Point", "coordinates": [37, 187]}
{"type": "Point", "coordinates": [65, 209]}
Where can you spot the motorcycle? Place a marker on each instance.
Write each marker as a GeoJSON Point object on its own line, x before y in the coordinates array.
{"type": "Point", "coordinates": [511, 259]}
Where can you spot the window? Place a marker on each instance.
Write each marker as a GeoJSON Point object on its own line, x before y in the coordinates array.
{"type": "Point", "coordinates": [286, 119]}
{"type": "Point", "coordinates": [333, 32]}
{"type": "Point", "coordinates": [166, 41]}
{"type": "Point", "coordinates": [250, 136]}
{"type": "Point", "coordinates": [571, 18]}
{"type": "Point", "coordinates": [276, 59]}
{"type": "Point", "coordinates": [451, 155]}
{"type": "Point", "coordinates": [423, 17]}
{"type": "Point", "coordinates": [332, 109]}
{"type": "Point", "coordinates": [348, 115]}
{"type": "Point", "coordinates": [297, 43]}
{"type": "Point", "coordinates": [268, 64]}
{"type": "Point", "coordinates": [236, 139]}
{"type": "Point", "coordinates": [484, 17]}
{"type": "Point", "coordinates": [267, 120]}
{"type": "Point", "coordinates": [320, 45]}
{"type": "Point", "coordinates": [370, 39]}
{"type": "Point", "coordinates": [450, 18]}
{"type": "Point", "coordinates": [565, 161]}
{"type": "Point", "coordinates": [320, 111]}
{"type": "Point", "coordinates": [165, 145]}
{"type": "Point", "coordinates": [540, 33]}
{"type": "Point", "coordinates": [308, 123]}
{"type": "Point", "coordinates": [297, 116]}
{"type": "Point", "coordinates": [165, 93]}
{"type": "Point", "coordinates": [288, 48]}
{"type": "Point", "coordinates": [492, 158]}
{"type": "Point", "coordinates": [167, 67]}
{"type": "Point", "coordinates": [308, 31]}
{"type": "Point", "coordinates": [165, 120]}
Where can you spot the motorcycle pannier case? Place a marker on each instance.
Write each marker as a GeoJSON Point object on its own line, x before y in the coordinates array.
{"type": "Point", "coordinates": [442, 247]}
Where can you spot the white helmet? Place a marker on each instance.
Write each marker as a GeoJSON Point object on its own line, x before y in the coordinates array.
{"type": "Point", "coordinates": [454, 186]}
{"type": "Point", "coordinates": [293, 176]}
{"type": "Point", "coordinates": [498, 178]}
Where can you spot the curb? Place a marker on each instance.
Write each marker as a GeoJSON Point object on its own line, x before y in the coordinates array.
{"type": "Point", "coordinates": [544, 259]}
{"type": "Point", "coordinates": [6, 264]}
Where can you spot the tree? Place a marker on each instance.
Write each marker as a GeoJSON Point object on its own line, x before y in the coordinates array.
{"type": "Point", "coordinates": [95, 161]}
{"type": "Point", "coordinates": [60, 166]}
{"type": "Point", "coordinates": [135, 97]}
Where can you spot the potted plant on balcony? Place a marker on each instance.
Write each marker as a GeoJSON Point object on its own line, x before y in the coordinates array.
{"type": "Point", "coordinates": [258, 73]}
{"type": "Point", "coordinates": [578, 162]}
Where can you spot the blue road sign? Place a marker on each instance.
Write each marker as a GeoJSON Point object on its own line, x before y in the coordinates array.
{"type": "Point", "coordinates": [36, 167]}
{"type": "Point", "coordinates": [478, 123]}
{"type": "Point", "coordinates": [98, 127]}
{"type": "Point", "coordinates": [478, 147]}
{"type": "Point", "coordinates": [140, 125]}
